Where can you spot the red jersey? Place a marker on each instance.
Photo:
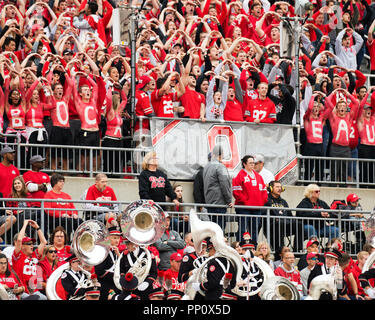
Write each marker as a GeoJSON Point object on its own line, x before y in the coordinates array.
{"type": "Point", "coordinates": [191, 100]}
{"type": "Point", "coordinates": [106, 195]}
{"type": "Point", "coordinates": [249, 189]}
{"type": "Point", "coordinates": [263, 110]}
{"type": "Point", "coordinates": [233, 111]}
{"type": "Point", "coordinates": [25, 267]}
{"type": "Point", "coordinates": [37, 177]}
{"type": "Point", "coordinates": [7, 174]}
{"type": "Point", "coordinates": [51, 207]}
{"type": "Point", "coordinates": [163, 105]}
{"type": "Point", "coordinates": [173, 275]}
{"type": "Point", "coordinates": [142, 108]}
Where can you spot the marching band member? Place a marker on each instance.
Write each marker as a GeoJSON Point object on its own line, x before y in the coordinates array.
{"type": "Point", "coordinates": [105, 270]}
{"type": "Point", "coordinates": [190, 261]}
{"type": "Point", "coordinates": [252, 278]}
{"type": "Point", "coordinates": [219, 276]}
{"type": "Point", "coordinates": [129, 284]}
{"type": "Point", "coordinates": [72, 279]}
{"type": "Point", "coordinates": [129, 258]}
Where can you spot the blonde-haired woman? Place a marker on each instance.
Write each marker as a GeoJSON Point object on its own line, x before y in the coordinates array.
{"type": "Point", "coordinates": [48, 263]}
{"type": "Point", "coordinates": [263, 251]}
{"type": "Point", "coordinates": [323, 227]}
{"type": "Point", "coordinates": [153, 183]}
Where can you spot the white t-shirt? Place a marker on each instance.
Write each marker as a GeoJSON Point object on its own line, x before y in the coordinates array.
{"type": "Point", "coordinates": [8, 251]}
{"type": "Point", "coordinates": [267, 176]}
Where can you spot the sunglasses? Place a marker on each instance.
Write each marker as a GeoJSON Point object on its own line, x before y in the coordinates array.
{"type": "Point", "coordinates": [317, 191]}
{"type": "Point", "coordinates": [28, 244]}
{"type": "Point", "coordinates": [52, 251]}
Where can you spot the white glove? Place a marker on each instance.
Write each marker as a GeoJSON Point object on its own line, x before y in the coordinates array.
{"type": "Point", "coordinates": [196, 286]}
{"type": "Point", "coordinates": [371, 293]}
{"type": "Point", "coordinates": [143, 286]}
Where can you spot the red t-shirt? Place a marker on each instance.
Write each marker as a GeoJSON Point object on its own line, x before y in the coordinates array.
{"type": "Point", "coordinates": [38, 178]}
{"type": "Point", "coordinates": [63, 253]}
{"type": "Point", "coordinates": [106, 195]}
{"type": "Point", "coordinates": [68, 207]}
{"type": "Point", "coordinates": [142, 108]}
{"type": "Point", "coordinates": [233, 111]}
{"type": "Point", "coordinates": [10, 281]}
{"type": "Point", "coordinates": [7, 174]}
{"type": "Point", "coordinates": [163, 105]}
{"type": "Point", "coordinates": [191, 101]}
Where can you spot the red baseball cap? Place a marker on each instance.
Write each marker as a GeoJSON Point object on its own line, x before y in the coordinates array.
{"type": "Point", "coordinates": [352, 198]}
{"type": "Point", "coordinates": [175, 256]}
{"type": "Point", "coordinates": [311, 242]}
{"type": "Point", "coordinates": [143, 81]}
{"type": "Point", "coordinates": [312, 255]}
{"type": "Point", "coordinates": [28, 239]}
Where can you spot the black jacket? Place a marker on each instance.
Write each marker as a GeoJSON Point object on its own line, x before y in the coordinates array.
{"type": "Point", "coordinates": [278, 203]}
{"type": "Point", "coordinates": [306, 203]}
{"type": "Point", "coordinates": [155, 185]}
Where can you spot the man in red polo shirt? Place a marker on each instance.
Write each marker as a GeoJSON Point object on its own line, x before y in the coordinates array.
{"type": "Point", "coordinates": [7, 171]}
{"type": "Point", "coordinates": [101, 192]}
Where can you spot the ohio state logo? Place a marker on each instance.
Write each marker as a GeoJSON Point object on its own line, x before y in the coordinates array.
{"type": "Point", "coordinates": [226, 132]}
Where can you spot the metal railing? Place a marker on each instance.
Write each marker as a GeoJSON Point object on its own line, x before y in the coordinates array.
{"type": "Point", "coordinates": [72, 159]}
{"type": "Point", "coordinates": [277, 230]}
{"type": "Point", "coordinates": [355, 172]}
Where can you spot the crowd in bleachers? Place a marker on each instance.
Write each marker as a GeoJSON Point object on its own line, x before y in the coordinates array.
{"type": "Point", "coordinates": [64, 82]}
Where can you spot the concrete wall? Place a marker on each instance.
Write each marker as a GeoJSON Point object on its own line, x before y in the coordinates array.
{"type": "Point", "coordinates": [127, 190]}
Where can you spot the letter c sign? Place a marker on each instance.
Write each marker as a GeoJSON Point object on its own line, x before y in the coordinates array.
{"type": "Point", "coordinates": [226, 133]}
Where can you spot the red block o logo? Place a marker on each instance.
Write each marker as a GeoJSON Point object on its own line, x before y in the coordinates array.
{"type": "Point", "coordinates": [227, 132]}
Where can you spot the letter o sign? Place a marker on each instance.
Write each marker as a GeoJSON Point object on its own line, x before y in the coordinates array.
{"type": "Point", "coordinates": [227, 133]}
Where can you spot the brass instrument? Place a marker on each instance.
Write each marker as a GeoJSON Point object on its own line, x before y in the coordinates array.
{"type": "Point", "coordinates": [143, 222]}
{"type": "Point", "coordinates": [199, 231]}
{"type": "Point", "coordinates": [90, 244]}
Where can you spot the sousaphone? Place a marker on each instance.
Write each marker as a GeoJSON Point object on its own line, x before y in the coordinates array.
{"type": "Point", "coordinates": [90, 245]}
{"type": "Point", "coordinates": [143, 222]}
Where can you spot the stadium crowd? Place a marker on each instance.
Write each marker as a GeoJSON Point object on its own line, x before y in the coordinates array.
{"type": "Point", "coordinates": [63, 82]}
{"type": "Point", "coordinates": [28, 263]}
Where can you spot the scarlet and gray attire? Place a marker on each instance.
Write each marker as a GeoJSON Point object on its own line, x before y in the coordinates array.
{"type": "Point", "coordinates": [129, 259]}
{"type": "Point", "coordinates": [293, 275]}
{"type": "Point", "coordinates": [70, 280]}
{"type": "Point", "coordinates": [216, 270]}
{"type": "Point", "coordinates": [169, 243]}
{"type": "Point", "coordinates": [249, 189]}
{"type": "Point", "coordinates": [105, 272]}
